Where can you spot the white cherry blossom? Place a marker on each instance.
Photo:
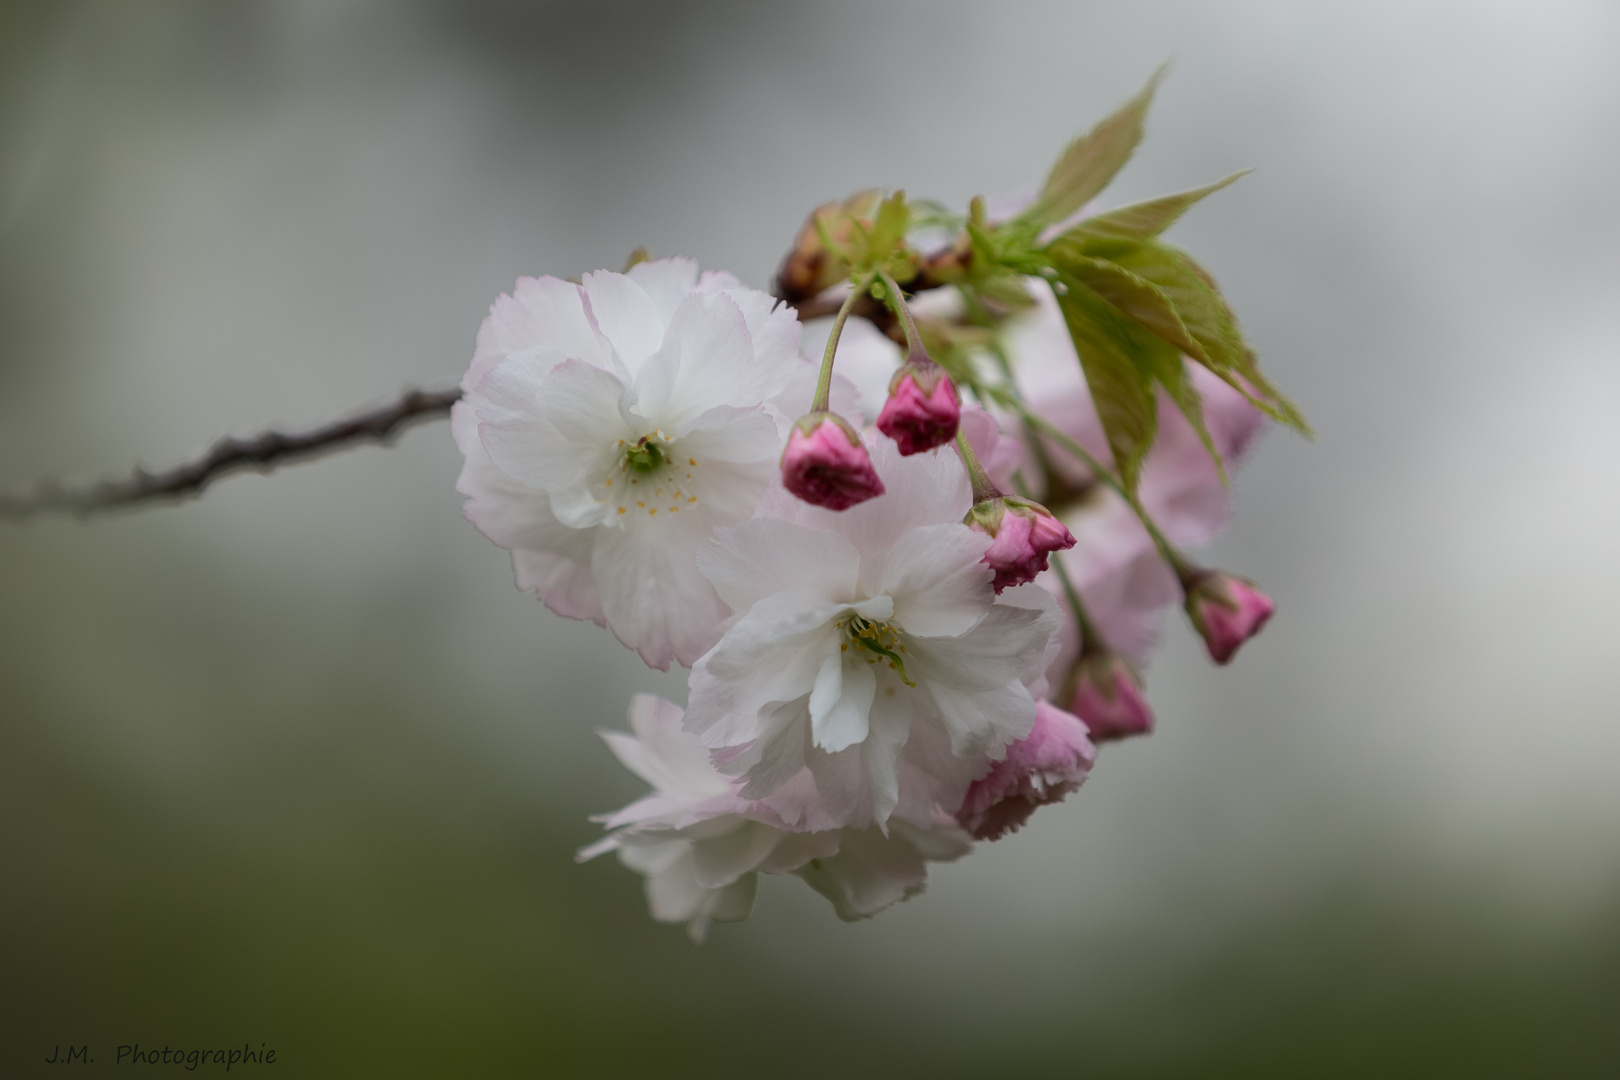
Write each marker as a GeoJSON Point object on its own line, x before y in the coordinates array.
{"type": "Point", "coordinates": [868, 643]}
{"type": "Point", "coordinates": [610, 427]}
{"type": "Point", "coordinates": [701, 846]}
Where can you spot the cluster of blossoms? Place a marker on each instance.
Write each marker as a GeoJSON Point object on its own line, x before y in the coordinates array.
{"type": "Point", "coordinates": [913, 592]}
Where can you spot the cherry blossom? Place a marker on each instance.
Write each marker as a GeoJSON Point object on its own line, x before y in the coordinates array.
{"type": "Point", "coordinates": [865, 642]}
{"type": "Point", "coordinates": [702, 846]}
{"type": "Point", "coordinates": [610, 427]}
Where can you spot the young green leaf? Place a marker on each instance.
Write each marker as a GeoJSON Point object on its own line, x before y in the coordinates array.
{"type": "Point", "coordinates": [1145, 220]}
{"type": "Point", "coordinates": [1210, 322]}
{"type": "Point", "coordinates": [1119, 360]}
{"type": "Point", "coordinates": [1092, 160]}
{"type": "Point", "coordinates": [1151, 309]}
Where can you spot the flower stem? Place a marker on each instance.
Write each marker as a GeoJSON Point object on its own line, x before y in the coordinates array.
{"type": "Point", "coordinates": [824, 383]}
{"type": "Point", "coordinates": [1091, 641]}
{"type": "Point", "coordinates": [897, 303]}
{"type": "Point", "coordinates": [983, 488]}
{"type": "Point", "coordinates": [1106, 475]}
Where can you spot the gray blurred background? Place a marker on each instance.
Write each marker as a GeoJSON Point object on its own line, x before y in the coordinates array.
{"type": "Point", "coordinates": [296, 765]}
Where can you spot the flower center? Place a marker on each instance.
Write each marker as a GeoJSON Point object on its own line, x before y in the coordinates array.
{"type": "Point", "coordinates": [649, 477]}
{"type": "Point", "coordinates": [879, 639]}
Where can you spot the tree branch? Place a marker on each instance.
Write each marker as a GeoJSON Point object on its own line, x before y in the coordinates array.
{"type": "Point", "coordinates": [272, 449]}
{"type": "Point", "coordinates": [260, 453]}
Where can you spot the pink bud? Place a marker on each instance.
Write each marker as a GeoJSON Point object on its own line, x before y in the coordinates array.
{"type": "Point", "coordinates": [1037, 770]}
{"type": "Point", "coordinates": [922, 411]}
{"type": "Point", "coordinates": [1106, 695]}
{"type": "Point", "coordinates": [1025, 533]}
{"type": "Point", "coordinates": [1226, 610]}
{"type": "Point", "coordinates": [826, 464]}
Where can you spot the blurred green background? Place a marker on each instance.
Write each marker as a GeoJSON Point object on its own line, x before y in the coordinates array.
{"type": "Point", "coordinates": [296, 765]}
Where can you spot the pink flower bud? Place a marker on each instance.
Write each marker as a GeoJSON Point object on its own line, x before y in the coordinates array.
{"type": "Point", "coordinates": [1037, 770]}
{"type": "Point", "coordinates": [826, 464]}
{"type": "Point", "coordinates": [922, 411]}
{"type": "Point", "coordinates": [1226, 610]}
{"type": "Point", "coordinates": [1104, 693]}
{"type": "Point", "coordinates": [1025, 533]}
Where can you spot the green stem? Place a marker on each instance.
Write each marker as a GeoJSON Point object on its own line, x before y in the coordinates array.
{"type": "Point", "coordinates": [1091, 641]}
{"type": "Point", "coordinates": [897, 303]}
{"type": "Point", "coordinates": [824, 384]}
{"type": "Point", "coordinates": [1106, 475]}
{"type": "Point", "coordinates": [983, 488]}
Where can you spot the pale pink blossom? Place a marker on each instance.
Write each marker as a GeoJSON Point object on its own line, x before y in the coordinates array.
{"type": "Point", "coordinates": [868, 642]}
{"type": "Point", "coordinates": [826, 463]}
{"type": "Point", "coordinates": [1043, 767]}
{"type": "Point", "coordinates": [701, 846]}
{"type": "Point", "coordinates": [610, 427]}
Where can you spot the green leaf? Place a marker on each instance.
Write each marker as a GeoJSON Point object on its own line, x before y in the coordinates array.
{"type": "Point", "coordinates": [1145, 220]}
{"type": "Point", "coordinates": [1210, 322]}
{"type": "Point", "coordinates": [1092, 160]}
{"type": "Point", "coordinates": [1150, 308]}
{"type": "Point", "coordinates": [1120, 361]}
{"type": "Point", "coordinates": [893, 218]}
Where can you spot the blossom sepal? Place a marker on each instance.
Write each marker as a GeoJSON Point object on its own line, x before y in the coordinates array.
{"type": "Point", "coordinates": [923, 409]}
{"type": "Point", "coordinates": [1226, 610]}
{"type": "Point", "coordinates": [826, 463]}
{"type": "Point", "coordinates": [1104, 691]}
{"type": "Point", "coordinates": [1025, 533]}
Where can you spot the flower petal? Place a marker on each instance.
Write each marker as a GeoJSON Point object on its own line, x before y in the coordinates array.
{"type": "Point", "coordinates": [757, 558]}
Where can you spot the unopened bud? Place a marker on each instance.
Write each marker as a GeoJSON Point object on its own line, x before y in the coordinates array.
{"type": "Point", "coordinates": [826, 464]}
{"type": "Point", "coordinates": [1042, 768]}
{"type": "Point", "coordinates": [1025, 533]}
{"type": "Point", "coordinates": [1226, 610]}
{"type": "Point", "coordinates": [1103, 691]}
{"type": "Point", "coordinates": [923, 410]}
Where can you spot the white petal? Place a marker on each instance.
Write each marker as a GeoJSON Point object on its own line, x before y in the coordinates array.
{"type": "Point", "coordinates": [770, 655]}
{"type": "Point", "coordinates": [939, 581]}
{"type": "Point", "coordinates": [735, 901]}
{"type": "Point", "coordinates": [626, 316]}
{"type": "Point", "coordinates": [767, 555]}
{"type": "Point", "coordinates": [870, 872]}
{"type": "Point", "coordinates": [930, 488]}
{"type": "Point", "coordinates": [719, 862]}
{"type": "Point", "coordinates": [655, 599]}
{"type": "Point", "coordinates": [773, 326]}
{"type": "Point", "coordinates": [554, 430]}
{"type": "Point", "coordinates": [541, 311]}
{"type": "Point", "coordinates": [667, 282]}
{"type": "Point", "coordinates": [860, 784]}
{"type": "Point", "coordinates": [841, 698]}
{"type": "Point", "coordinates": [548, 557]}
{"type": "Point", "coordinates": [706, 359]}
{"type": "Point", "coordinates": [669, 759]}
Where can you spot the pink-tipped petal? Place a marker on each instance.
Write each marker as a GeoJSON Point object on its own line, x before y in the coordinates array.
{"type": "Point", "coordinates": [1037, 770]}
{"type": "Point", "coordinates": [1025, 533]}
{"type": "Point", "coordinates": [919, 416]}
{"type": "Point", "coordinates": [1227, 611]}
{"type": "Point", "coordinates": [826, 464]}
{"type": "Point", "coordinates": [1108, 698]}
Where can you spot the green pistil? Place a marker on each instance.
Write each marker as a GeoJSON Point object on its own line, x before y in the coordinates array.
{"type": "Point", "coordinates": [881, 639]}
{"type": "Point", "coordinates": [644, 457]}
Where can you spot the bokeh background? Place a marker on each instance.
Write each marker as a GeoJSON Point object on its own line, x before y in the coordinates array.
{"type": "Point", "coordinates": [296, 765]}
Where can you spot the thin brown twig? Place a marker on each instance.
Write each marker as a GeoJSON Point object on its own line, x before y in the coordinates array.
{"type": "Point", "coordinates": [259, 453]}
{"type": "Point", "coordinates": [272, 449]}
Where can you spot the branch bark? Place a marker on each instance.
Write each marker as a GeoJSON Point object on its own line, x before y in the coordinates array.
{"type": "Point", "coordinates": [259, 453]}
